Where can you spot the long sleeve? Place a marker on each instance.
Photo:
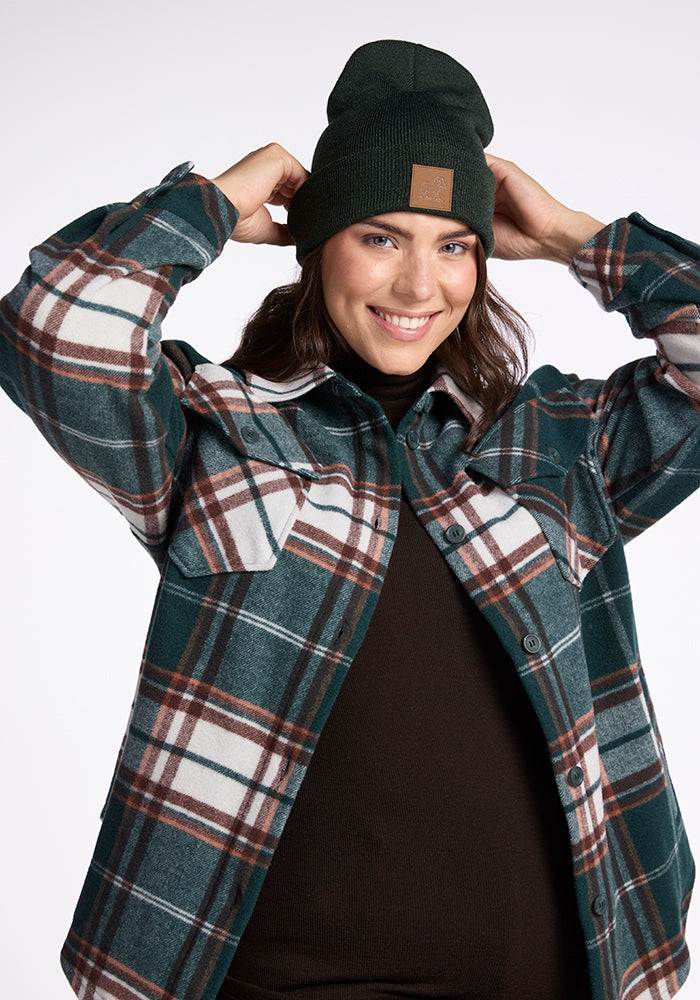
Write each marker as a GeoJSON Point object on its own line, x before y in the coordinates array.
{"type": "Point", "coordinates": [649, 410]}
{"type": "Point", "coordinates": [79, 340]}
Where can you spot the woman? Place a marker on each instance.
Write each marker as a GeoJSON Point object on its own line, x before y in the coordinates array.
{"type": "Point", "coordinates": [485, 810]}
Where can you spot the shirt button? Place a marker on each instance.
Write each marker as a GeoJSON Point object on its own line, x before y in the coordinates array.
{"type": "Point", "coordinates": [531, 643]}
{"type": "Point", "coordinates": [249, 434]}
{"type": "Point", "coordinates": [599, 905]}
{"type": "Point", "coordinates": [554, 454]}
{"type": "Point", "coordinates": [575, 776]}
{"type": "Point", "coordinates": [455, 534]}
{"type": "Point", "coordinates": [412, 439]}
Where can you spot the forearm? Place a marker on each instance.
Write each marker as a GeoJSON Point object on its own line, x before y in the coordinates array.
{"type": "Point", "coordinates": [564, 242]}
{"type": "Point", "coordinates": [79, 341]}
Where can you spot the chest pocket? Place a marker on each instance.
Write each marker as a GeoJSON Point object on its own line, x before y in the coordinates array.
{"type": "Point", "coordinates": [543, 454]}
{"type": "Point", "coordinates": [574, 512]}
{"type": "Point", "coordinates": [238, 507]}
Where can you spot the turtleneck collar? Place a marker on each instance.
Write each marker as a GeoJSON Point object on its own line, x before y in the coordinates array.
{"type": "Point", "coordinates": [394, 393]}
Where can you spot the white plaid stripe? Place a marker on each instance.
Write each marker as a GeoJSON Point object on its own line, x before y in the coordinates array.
{"type": "Point", "coordinates": [230, 526]}
{"type": "Point", "coordinates": [343, 521]}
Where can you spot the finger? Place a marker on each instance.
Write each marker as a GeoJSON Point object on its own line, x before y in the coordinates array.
{"type": "Point", "coordinates": [279, 235]}
{"type": "Point", "coordinates": [276, 234]}
{"type": "Point", "coordinates": [270, 174]}
{"type": "Point", "coordinates": [261, 228]}
{"type": "Point", "coordinates": [280, 198]}
{"type": "Point", "coordinates": [498, 166]}
{"type": "Point", "coordinates": [292, 174]}
{"type": "Point", "coordinates": [287, 188]}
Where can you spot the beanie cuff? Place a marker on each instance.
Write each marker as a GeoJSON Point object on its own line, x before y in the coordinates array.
{"type": "Point", "coordinates": [377, 181]}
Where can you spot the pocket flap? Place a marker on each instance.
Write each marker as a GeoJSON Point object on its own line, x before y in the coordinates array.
{"type": "Point", "coordinates": [258, 430]}
{"type": "Point", "coordinates": [236, 519]}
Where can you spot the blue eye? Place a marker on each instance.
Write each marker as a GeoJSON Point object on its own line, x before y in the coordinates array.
{"type": "Point", "coordinates": [452, 249]}
{"type": "Point", "coordinates": [379, 241]}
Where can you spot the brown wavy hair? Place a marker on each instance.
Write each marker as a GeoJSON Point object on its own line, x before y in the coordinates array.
{"type": "Point", "coordinates": [292, 332]}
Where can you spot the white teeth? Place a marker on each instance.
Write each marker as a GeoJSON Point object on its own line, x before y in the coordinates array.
{"type": "Point", "coordinates": [403, 322]}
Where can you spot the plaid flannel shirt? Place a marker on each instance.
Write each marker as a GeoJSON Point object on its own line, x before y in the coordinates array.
{"type": "Point", "coordinates": [272, 509]}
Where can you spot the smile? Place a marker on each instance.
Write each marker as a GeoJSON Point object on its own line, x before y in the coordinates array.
{"type": "Point", "coordinates": [401, 321]}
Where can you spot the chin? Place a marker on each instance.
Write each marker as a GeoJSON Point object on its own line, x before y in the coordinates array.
{"type": "Point", "coordinates": [398, 366]}
{"type": "Point", "coordinates": [402, 369]}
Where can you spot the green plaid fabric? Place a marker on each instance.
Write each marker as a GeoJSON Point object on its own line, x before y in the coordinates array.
{"type": "Point", "coordinates": [272, 509]}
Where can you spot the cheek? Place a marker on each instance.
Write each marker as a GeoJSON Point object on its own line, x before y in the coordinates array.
{"type": "Point", "coordinates": [346, 281]}
{"type": "Point", "coordinates": [462, 292]}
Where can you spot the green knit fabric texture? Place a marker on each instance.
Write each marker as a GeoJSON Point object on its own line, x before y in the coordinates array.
{"type": "Point", "coordinates": [398, 105]}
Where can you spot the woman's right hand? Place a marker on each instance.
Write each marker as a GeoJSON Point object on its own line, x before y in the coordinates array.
{"type": "Point", "coordinates": [267, 176]}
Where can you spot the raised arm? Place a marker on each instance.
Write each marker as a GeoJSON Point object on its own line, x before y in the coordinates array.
{"type": "Point", "coordinates": [648, 411]}
{"type": "Point", "coordinates": [529, 224]}
{"type": "Point", "coordinates": [79, 340]}
{"type": "Point", "coordinates": [80, 334]}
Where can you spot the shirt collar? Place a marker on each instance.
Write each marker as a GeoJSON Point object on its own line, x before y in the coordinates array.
{"type": "Point", "coordinates": [299, 386]}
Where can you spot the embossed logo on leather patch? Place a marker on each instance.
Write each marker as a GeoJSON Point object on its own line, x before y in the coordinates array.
{"type": "Point", "coordinates": [431, 187]}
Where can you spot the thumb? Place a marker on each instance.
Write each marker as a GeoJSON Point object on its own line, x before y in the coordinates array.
{"type": "Point", "coordinates": [260, 227]}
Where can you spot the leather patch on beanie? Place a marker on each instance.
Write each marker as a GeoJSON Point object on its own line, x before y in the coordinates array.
{"type": "Point", "coordinates": [431, 187]}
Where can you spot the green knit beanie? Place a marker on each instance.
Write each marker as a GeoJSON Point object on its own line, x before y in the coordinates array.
{"type": "Point", "coordinates": [407, 126]}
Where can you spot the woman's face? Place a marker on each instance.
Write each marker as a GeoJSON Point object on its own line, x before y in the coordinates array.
{"type": "Point", "coordinates": [397, 285]}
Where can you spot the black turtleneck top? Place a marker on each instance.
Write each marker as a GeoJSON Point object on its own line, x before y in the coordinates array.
{"type": "Point", "coordinates": [441, 867]}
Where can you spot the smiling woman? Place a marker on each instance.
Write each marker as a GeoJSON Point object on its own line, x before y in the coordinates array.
{"type": "Point", "coordinates": [391, 736]}
{"type": "Point", "coordinates": [395, 295]}
{"type": "Point", "coordinates": [353, 294]}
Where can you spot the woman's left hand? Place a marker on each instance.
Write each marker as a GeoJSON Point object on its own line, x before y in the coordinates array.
{"type": "Point", "coordinates": [529, 224]}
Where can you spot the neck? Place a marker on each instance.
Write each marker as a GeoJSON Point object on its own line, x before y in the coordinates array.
{"type": "Point", "coordinates": [394, 393]}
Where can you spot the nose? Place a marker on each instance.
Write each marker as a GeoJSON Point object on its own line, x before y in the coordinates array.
{"type": "Point", "coordinates": [414, 279]}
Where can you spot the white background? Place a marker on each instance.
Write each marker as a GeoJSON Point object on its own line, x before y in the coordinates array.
{"type": "Point", "coordinates": [597, 100]}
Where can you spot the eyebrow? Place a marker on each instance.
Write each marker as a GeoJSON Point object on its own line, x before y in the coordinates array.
{"type": "Point", "coordinates": [396, 231]}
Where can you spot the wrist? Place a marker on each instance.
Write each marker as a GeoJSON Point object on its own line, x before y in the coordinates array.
{"type": "Point", "coordinates": [563, 245]}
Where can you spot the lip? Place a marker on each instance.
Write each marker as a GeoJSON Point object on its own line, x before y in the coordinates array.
{"type": "Point", "coordinates": [396, 333]}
